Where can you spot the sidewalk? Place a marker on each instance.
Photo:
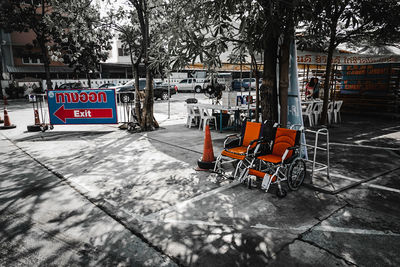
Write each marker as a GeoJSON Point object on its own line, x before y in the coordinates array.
{"type": "Point", "coordinates": [145, 189]}
{"type": "Point", "coordinates": [45, 221]}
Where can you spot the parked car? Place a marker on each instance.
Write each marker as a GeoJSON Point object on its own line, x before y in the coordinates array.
{"type": "Point", "coordinates": [142, 84]}
{"type": "Point", "coordinates": [70, 86]}
{"type": "Point", "coordinates": [127, 91]}
{"type": "Point", "coordinates": [108, 85]}
{"type": "Point", "coordinates": [189, 84]}
{"type": "Point", "coordinates": [236, 85]}
{"type": "Point", "coordinates": [161, 91]}
{"type": "Point", "coordinates": [246, 83]}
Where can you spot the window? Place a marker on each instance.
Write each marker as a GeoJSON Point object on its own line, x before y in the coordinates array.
{"type": "Point", "coordinates": [184, 81]}
{"type": "Point", "coordinates": [122, 52]}
{"type": "Point", "coordinates": [32, 59]}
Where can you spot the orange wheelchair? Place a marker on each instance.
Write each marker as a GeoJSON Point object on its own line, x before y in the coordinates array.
{"type": "Point", "coordinates": [252, 142]}
{"type": "Point", "coordinates": [284, 163]}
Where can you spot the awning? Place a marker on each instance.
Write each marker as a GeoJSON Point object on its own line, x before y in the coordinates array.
{"type": "Point", "coordinates": [38, 69]}
{"type": "Point", "coordinates": [117, 65]}
{"type": "Point", "coordinates": [315, 58]}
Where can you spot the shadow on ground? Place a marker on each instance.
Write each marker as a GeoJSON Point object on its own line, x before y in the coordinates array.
{"type": "Point", "coordinates": [146, 177]}
{"type": "Point", "coordinates": [44, 222]}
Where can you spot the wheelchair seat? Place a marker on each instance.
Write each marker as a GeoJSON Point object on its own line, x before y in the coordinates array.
{"type": "Point", "coordinates": [250, 131]}
{"type": "Point", "coordinates": [284, 139]}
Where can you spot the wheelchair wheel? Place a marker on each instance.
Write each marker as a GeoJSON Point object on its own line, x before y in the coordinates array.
{"type": "Point", "coordinates": [296, 174]}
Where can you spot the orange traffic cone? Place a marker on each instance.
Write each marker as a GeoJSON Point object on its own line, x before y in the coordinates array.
{"type": "Point", "coordinates": [7, 123]}
{"type": "Point", "coordinates": [37, 120]}
{"type": "Point", "coordinates": [207, 162]}
{"type": "Point", "coordinates": [37, 126]}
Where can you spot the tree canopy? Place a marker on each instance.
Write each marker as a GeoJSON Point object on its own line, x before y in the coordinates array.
{"type": "Point", "coordinates": [333, 22]}
{"type": "Point", "coordinates": [82, 39]}
{"type": "Point", "coordinates": [69, 31]}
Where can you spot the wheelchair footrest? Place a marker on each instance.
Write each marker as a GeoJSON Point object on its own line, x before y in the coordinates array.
{"type": "Point", "coordinates": [267, 180]}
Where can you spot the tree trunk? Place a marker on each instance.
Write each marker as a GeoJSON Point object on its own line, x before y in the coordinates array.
{"type": "Point", "coordinates": [324, 114]}
{"type": "Point", "coordinates": [46, 61]}
{"type": "Point", "coordinates": [284, 66]}
{"type": "Point", "coordinates": [268, 93]}
{"type": "Point", "coordinates": [147, 116]}
{"type": "Point", "coordinates": [331, 48]}
{"type": "Point", "coordinates": [135, 74]}
{"type": "Point", "coordinates": [89, 80]}
{"type": "Point", "coordinates": [42, 43]}
{"type": "Point", "coordinates": [257, 76]}
{"type": "Point", "coordinates": [1, 74]}
{"type": "Point", "coordinates": [138, 108]}
{"type": "Point", "coordinates": [148, 121]}
{"type": "Point", "coordinates": [284, 80]}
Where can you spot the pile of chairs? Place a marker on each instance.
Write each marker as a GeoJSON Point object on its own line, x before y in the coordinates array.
{"type": "Point", "coordinates": [313, 111]}
{"type": "Point", "coordinates": [264, 154]}
{"type": "Point", "coordinates": [200, 116]}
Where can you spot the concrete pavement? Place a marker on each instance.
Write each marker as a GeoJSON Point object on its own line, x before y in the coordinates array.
{"type": "Point", "coordinates": [45, 221]}
{"type": "Point", "coordinates": [96, 195]}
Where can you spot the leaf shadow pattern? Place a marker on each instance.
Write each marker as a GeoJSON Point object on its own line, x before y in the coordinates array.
{"type": "Point", "coordinates": [140, 177]}
{"type": "Point", "coordinates": [44, 222]}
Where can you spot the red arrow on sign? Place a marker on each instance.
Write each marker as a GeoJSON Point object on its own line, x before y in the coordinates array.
{"type": "Point", "coordinates": [90, 113]}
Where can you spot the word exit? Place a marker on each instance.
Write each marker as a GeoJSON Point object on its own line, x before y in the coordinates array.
{"type": "Point", "coordinates": [98, 113]}
{"type": "Point", "coordinates": [82, 114]}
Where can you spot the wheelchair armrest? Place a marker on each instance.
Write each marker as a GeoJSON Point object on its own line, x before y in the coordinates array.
{"type": "Point", "coordinates": [287, 152]}
{"type": "Point", "coordinates": [231, 137]}
{"type": "Point", "coordinates": [258, 142]}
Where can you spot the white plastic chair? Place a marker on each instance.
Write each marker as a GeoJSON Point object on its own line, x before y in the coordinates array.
{"type": "Point", "coordinates": [309, 113]}
{"type": "Point", "coordinates": [193, 116]}
{"type": "Point", "coordinates": [317, 110]}
{"type": "Point", "coordinates": [336, 110]}
{"type": "Point", "coordinates": [205, 117]}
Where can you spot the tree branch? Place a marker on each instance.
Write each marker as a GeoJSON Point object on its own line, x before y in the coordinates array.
{"type": "Point", "coordinates": [351, 33]}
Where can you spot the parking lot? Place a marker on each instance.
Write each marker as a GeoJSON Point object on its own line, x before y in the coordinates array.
{"type": "Point", "coordinates": [100, 195]}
